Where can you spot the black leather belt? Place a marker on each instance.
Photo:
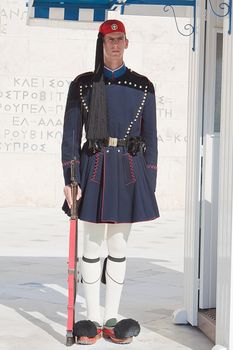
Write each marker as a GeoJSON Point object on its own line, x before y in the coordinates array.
{"type": "Point", "coordinates": [133, 144]}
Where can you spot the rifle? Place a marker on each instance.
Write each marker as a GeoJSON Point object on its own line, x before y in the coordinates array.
{"type": "Point", "coordinates": [73, 259]}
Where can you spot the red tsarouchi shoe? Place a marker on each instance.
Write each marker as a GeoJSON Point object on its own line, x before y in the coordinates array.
{"type": "Point", "coordinates": [87, 332]}
{"type": "Point", "coordinates": [121, 332]}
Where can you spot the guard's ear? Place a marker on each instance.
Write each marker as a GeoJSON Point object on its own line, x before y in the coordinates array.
{"type": "Point", "coordinates": [126, 43]}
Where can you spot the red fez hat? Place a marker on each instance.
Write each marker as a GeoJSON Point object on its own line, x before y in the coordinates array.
{"type": "Point", "coordinates": [111, 26]}
{"type": "Point", "coordinates": [97, 122]}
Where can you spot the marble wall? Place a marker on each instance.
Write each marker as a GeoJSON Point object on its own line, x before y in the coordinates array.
{"type": "Point", "coordinates": [36, 67]}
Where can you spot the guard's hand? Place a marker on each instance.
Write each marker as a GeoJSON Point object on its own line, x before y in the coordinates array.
{"type": "Point", "coordinates": [67, 193]}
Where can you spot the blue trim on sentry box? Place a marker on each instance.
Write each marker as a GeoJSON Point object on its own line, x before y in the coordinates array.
{"type": "Point", "coordinates": [99, 15]}
{"type": "Point", "coordinates": [109, 3]}
{"type": "Point", "coordinates": [71, 14]}
{"type": "Point", "coordinates": [41, 12]}
{"type": "Point", "coordinates": [82, 4]}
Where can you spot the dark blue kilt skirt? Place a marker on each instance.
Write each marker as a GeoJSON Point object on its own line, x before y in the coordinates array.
{"type": "Point", "coordinates": [116, 187]}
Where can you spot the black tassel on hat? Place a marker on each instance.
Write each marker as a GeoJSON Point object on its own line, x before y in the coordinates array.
{"type": "Point", "coordinates": [97, 123]}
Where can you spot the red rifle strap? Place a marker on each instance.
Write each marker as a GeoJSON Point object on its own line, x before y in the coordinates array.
{"type": "Point", "coordinates": [72, 274]}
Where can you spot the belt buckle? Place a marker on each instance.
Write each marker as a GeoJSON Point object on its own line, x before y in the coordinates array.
{"type": "Point", "coordinates": [112, 141]}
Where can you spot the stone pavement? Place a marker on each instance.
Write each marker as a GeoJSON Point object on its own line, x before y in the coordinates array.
{"type": "Point", "coordinates": [33, 284]}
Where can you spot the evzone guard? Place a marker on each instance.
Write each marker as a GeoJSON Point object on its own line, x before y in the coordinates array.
{"type": "Point", "coordinates": [116, 170]}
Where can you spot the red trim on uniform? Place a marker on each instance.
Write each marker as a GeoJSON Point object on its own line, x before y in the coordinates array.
{"type": "Point", "coordinates": [97, 182]}
{"type": "Point", "coordinates": [117, 222]}
{"type": "Point", "coordinates": [131, 168]}
{"type": "Point", "coordinates": [96, 166]}
{"type": "Point", "coordinates": [152, 166]}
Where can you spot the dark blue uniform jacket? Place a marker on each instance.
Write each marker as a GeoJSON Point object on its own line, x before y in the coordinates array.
{"type": "Point", "coordinates": [116, 186]}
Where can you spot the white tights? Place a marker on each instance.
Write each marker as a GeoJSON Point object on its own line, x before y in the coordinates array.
{"type": "Point", "coordinates": [117, 236]}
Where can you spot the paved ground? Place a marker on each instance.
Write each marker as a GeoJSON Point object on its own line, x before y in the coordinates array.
{"type": "Point", "coordinates": [33, 287]}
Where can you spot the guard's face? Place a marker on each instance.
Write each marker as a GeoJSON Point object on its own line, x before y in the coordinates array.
{"type": "Point", "coordinates": [114, 46]}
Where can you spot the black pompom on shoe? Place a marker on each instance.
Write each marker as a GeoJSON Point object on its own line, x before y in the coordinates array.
{"type": "Point", "coordinates": [85, 328]}
{"type": "Point", "coordinates": [86, 332]}
{"type": "Point", "coordinates": [127, 328]}
{"type": "Point", "coordinates": [121, 332]}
